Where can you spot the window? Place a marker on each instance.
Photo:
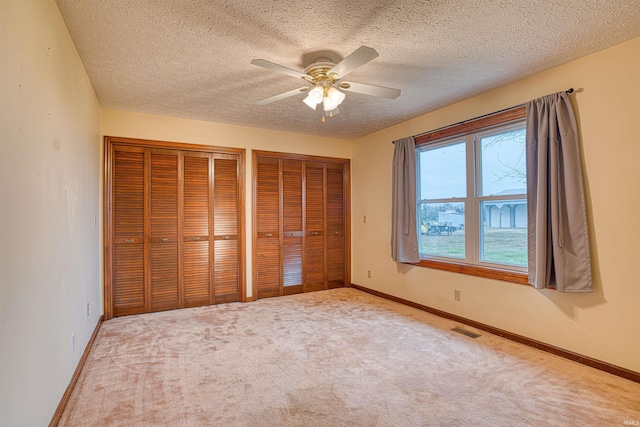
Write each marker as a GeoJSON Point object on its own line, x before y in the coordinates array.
{"type": "Point", "coordinates": [472, 202]}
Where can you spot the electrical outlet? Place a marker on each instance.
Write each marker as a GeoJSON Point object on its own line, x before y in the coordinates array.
{"type": "Point", "coordinates": [88, 312]}
{"type": "Point", "coordinates": [95, 221]}
{"type": "Point", "coordinates": [364, 219]}
{"type": "Point", "coordinates": [456, 295]}
{"type": "Point", "coordinates": [73, 343]}
{"type": "Point", "coordinates": [369, 274]}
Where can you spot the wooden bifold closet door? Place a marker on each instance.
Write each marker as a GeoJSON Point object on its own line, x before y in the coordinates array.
{"type": "Point", "coordinates": [173, 226]}
{"type": "Point", "coordinates": [163, 231]}
{"type": "Point", "coordinates": [315, 226]}
{"type": "Point", "coordinates": [301, 223]}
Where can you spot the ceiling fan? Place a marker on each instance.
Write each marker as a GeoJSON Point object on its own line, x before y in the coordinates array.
{"type": "Point", "coordinates": [325, 78]}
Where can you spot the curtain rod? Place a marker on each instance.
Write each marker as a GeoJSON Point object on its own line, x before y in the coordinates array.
{"type": "Point", "coordinates": [570, 90]}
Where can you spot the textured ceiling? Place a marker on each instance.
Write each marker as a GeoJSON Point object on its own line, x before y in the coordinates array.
{"type": "Point", "coordinates": [191, 58]}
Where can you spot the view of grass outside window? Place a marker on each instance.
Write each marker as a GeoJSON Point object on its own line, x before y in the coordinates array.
{"type": "Point", "coordinates": [443, 182]}
{"type": "Point", "coordinates": [472, 205]}
{"type": "Point", "coordinates": [438, 235]}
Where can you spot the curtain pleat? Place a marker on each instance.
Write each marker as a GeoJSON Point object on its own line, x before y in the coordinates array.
{"type": "Point", "coordinates": [404, 235]}
{"type": "Point", "coordinates": [559, 254]}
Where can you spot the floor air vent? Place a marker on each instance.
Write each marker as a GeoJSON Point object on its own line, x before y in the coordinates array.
{"type": "Point", "coordinates": [467, 333]}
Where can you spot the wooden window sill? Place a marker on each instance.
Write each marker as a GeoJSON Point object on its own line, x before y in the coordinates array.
{"type": "Point", "coordinates": [474, 270]}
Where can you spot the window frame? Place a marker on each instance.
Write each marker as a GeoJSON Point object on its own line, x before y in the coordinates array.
{"type": "Point", "coordinates": [462, 132]}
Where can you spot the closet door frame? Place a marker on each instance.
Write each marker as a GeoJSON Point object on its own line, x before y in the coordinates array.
{"type": "Point", "coordinates": [110, 143]}
{"type": "Point", "coordinates": [347, 209]}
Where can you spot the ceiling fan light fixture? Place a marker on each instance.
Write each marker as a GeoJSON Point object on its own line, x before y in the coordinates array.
{"type": "Point", "coordinates": [328, 104]}
{"type": "Point", "coordinates": [324, 77]}
{"type": "Point", "coordinates": [336, 96]}
{"type": "Point", "coordinates": [332, 99]}
{"type": "Point", "coordinates": [314, 97]}
{"type": "Point", "coordinates": [310, 101]}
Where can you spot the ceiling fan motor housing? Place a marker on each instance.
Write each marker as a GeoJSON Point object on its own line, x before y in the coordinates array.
{"type": "Point", "coordinates": [318, 73]}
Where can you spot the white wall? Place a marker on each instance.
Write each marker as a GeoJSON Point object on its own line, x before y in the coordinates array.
{"type": "Point", "coordinates": [146, 126]}
{"type": "Point", "coordinates": [49, 187]}
{"type": "Point", "coordinates": [604, 325]}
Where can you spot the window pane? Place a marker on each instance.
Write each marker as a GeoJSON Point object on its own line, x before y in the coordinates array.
{"type": "Point", "coordinates": [442, 229]}
{"type": "Point", "coordinates": [443, 172]}
{"type": "Point", "coordinates": [503, 163]}
{"type": "Point", "coordinates": [503, 238]}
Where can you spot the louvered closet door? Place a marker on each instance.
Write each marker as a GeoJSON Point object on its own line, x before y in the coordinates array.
{"type": "Point", "coordinates": [128, 231]}
{"type": "Point", "coordinates": [292, 253]}
{"type": "Point", "coordinates": [267, 227]}
{"type": "Point", "coordinates": [315, 226]}
{"type": "Point", "coordinates": [163, 218]}
{"type": "Point", "coordinates": [197, 239]}
{"type": "Point", "coordinates": [225, 223]}
{"type": "Point", "coordinates": [172, 226]}
{"type": "Point", "coordinates": [335, 226]}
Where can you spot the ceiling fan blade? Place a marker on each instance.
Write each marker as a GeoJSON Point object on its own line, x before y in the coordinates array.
{"type": "Point", "coordinates": [278, 68]}
{"type": "Point", "coordinates": [381, 91]}
{"type": "Point", "coordinates": [282, 96]}
{"type": "Point", "coordinates": [358, 57]}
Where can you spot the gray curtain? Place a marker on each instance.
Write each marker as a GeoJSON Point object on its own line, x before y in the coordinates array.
{"type": "Point", "coordinates": [404, 235]}
{"type": "Point", "coordinates": [559, 255]}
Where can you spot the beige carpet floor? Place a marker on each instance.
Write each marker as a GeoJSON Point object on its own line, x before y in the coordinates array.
{"type": "Point", "coordinates": [331, 358]}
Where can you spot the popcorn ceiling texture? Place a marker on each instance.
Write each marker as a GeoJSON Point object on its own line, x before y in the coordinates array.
{"type": "Point", "coordinates": [190, 58]}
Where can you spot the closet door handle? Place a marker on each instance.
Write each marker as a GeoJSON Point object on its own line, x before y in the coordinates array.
{"type": "Point", "coordinates": [315, 233]}
{"type": "Point", "coordinates": [164, 239]}
{"type": "Point", "coordinates": [196, 238]}
{"type": "Point", "coordinates": [226, 237]}
{"type": "Point", "coordinates": [268, 234]}
{"type": "Point", "coordinates": [129, 241]}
